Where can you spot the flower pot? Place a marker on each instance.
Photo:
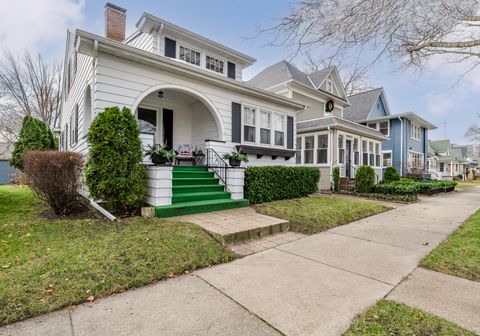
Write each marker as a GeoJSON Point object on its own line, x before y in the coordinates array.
{"type": "Point", "coordinates": [159, 160]}
{"type": "Point", "coordinates": [234, 162]}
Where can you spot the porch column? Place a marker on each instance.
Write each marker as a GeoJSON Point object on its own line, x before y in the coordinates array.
{"type": "Point", "coordinates": [159, 185]}
{"type": "Point", "coordinates": [235, 182]}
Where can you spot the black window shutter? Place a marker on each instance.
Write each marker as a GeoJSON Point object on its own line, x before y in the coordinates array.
{"type": "Point", "coordinates": [236, 122]}
{"type": "Point", "coordinates": [170, 47]}
{"type": "Point", "coordinates": [231, 70]}
{"type": "Point", "coordinates": [290, 132]}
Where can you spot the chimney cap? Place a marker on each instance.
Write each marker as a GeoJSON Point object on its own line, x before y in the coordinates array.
{"type": "Point", "coordinates": [115, 7]}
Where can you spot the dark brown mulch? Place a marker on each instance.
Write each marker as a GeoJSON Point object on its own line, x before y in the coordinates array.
{"type": "Point", "coordinates": [81, 211]}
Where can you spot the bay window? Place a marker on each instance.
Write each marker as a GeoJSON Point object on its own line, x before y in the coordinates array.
{"type": "Point", "coordinates": [322, 148]}
{"type": "Point", "coordinates": [279, 127]}
{"type": "Point", "coordinates": [265, 126]}
{"type": "Point", "coordinates": [364, 153]}
{"type": "Point", "coordinates": [308, 151]}
{"type": "Point", "coordinates": [356, 152]}
{"type": "Point", "coordinates": [189, 55]}
{"type": "Point", "coordinates": [298, 154]}
{"type": "Point", "coordinates": [415, 160]}
{"type": "Point", "coordinates": [371, 154]}
{"type": "Point", "coordinates": [341, 149]}
{"type": "Point", "coordinates": [249, 125]}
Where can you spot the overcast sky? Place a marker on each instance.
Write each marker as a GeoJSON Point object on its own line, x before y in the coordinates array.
{"type": "Point", "coordinates": [42, 25]}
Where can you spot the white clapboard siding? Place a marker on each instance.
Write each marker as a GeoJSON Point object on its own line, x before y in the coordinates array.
{"type": "Point", "coordinates": [142, 41]}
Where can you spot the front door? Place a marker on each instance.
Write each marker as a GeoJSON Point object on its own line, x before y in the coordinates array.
{"type": "Point", "coordinates": [348, 159]}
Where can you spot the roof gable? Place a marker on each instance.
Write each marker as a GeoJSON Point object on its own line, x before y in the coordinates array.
{"type": "Point", "coordinates": [367, 105]}
{"type": "Point", "coordinates": [319, 79]}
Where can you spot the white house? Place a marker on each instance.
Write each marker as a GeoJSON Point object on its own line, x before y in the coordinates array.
{"type": "Point", "coordinates": [325, 139]}
{"type": "Point", "coordinates": [445, 161]}
{"type": "Point", "coordinates": [187, 87]}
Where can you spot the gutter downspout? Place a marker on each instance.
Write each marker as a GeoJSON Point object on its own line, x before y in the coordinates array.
{"type": "Point", "coordinates": [401, 145]}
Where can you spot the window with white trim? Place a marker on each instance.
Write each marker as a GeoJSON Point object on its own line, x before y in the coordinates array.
{"type": "Point", "coordinates": [387, 159]}
{"type": "Point", "coordinates": [371, 154]}
{"type": "Point", "coordinates": [211, 63]}
{"type": "Point", "coordinates": [384, 127]}
{"type": "Point", "coordinates": [298, 154]}
{"type": "Point", "coordinates": [341, 149]}
{"type": "Point", "coordinates": [415, 160]}
{"type": "Point", "coordinates": [415, 131]}
{"type": "Point", "coordinates": [356, 152]}
{"type": "Point", "coordinates": [322, 148]}
{"type": "Point", "coordinates": [189, 55]}
{"type": "Point", "coordinates": [249, 125]}
{"type": "Point", "coordinates": [377, 154]}
{"type": "Point", "coordinates": [329, 85]}
{"type": "Point", "coordinates": [309, 147]}
{"type": "Point", "coordinates": [265, 127]}
{"type": "Point", "coordinates": [279, 128]}
{"type": "Point", "coordinates": [364, 153]}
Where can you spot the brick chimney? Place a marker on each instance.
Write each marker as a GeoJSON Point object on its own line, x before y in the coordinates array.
{"type": "Point", "coordinates": [115, 18]}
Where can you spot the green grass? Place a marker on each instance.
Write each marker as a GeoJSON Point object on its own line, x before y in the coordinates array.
{"type": "Point", "coordinates": [462, 185]}
{"type": "Point", "coordinates": [315, 214]}
{"type": "Point", "coordinates": [49, 264]}
{"type": "Point", "coordinates": [459, 254]}
{"type": "Point", "coordinates": [388, 318]}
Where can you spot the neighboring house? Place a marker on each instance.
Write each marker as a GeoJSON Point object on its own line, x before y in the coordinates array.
{"type": "Point", "coordinates": [182, 87]}
{"type": "Point", "coordinates": [325, 139]}
{"type": "Point", "coordinates": [406, 146]}
{"type": "Point", "coordinates": [6, 170]}
{"type": "Point", "coordinates": [445, 161]}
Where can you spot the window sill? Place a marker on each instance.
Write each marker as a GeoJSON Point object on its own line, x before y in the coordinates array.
{"type": "Point", "coordinates": [261, 151]}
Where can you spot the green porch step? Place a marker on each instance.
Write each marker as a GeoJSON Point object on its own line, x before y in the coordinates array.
{"type": "Point", "coordinates": [199, 196]}
{"type": "Point", "coordinates": [194, 181]}
{"type": "Point", "coordinates": [189, 169]}
{"type": "Point", "coordinates": [182, 189]}
{"type": "Point", "coordinates": [192, 174]}
{"type": "Point", "coordinates": [189, 208]}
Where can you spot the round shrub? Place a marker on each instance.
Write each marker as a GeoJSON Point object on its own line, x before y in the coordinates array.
{"type": "Point", "coordinates": [336, 179]}
{"type": "Point", "coordinates": [391, 175]}
{"type": "Point", "coordinates": [364, 179]}
{"type": "Point", "coordinates": [34, 135]}
{"type": "Point", "coordinates": [113, 171]}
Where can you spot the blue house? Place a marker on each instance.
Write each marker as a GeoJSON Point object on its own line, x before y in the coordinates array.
{"type": "Point", "coordinates": [407, 145]}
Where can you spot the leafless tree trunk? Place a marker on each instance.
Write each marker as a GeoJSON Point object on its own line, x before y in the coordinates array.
{"type": "Point", "coordinates": [410, 32]}
{"type": "Point", "coordinates": [28, 86]}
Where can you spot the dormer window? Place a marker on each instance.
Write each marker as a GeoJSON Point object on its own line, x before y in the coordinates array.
{"type": "Point", "coordinates": [189, 55]}
{"type": "Point", "coordinates": [329, 86]}
{"type": "Point", "coordinates": [214, 64]}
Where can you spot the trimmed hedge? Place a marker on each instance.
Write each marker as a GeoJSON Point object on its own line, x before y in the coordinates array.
{"type": "Point", "coordinates": [406, 198]}
{"type": "Point", "coordinates": [364, 179]}
{"type": "Point", "coordinates": [271, 183]}
{"type": "Point", "coordinates": [394, 189]}
{"type": "Point", "coordinates": [408, 186]}
{"type": "Point", "coordinates": [336, 179]}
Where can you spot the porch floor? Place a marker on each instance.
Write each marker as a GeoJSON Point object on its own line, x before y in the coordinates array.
{"type": "Point", "coordinates": [230, 226]}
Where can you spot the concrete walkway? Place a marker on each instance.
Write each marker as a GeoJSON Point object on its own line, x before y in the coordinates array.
{"type": "Point", "coordinates": [311, 286]}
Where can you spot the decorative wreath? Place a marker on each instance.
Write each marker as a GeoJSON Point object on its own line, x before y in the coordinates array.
{"type": "Point", "coordinates": [329, 106]}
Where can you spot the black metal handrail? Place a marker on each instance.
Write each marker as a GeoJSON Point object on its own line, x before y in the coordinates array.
{"type": "Point", "coordinates": [215, 162]}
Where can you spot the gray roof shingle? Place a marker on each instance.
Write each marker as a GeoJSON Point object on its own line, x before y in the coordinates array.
{"type": "Point", "coordinates": [361, 105]}
{"type": "Point", "coordinates": [278, 73]}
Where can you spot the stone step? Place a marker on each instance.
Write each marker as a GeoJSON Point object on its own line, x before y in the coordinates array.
{"type": "Point", "coordinates": [196, 207]}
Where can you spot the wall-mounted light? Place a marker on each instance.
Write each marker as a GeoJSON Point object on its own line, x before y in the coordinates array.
{"type": "Point", "coordinates": [160, 94]}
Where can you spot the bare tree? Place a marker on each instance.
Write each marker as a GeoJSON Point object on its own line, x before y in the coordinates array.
{"type": "Point", "coordinates": [28, 86]}
{"type": "Point", "coordinates": [411, 32]}
{"type": "Point", "coordinates": [354, 75]}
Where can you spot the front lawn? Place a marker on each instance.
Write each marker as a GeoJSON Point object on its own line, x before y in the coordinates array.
{"type": "Point", "coordinates": [315, 214]}
{"type": "Point", "coordinates": [49, 264]}
{"type": "Point", "coordinates": [388, 318]}
{"type": "Point", "coordinates": [459, 254]}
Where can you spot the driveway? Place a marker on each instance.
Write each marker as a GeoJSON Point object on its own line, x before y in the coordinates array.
{"type": "Point", "coordinates": [312, 286]}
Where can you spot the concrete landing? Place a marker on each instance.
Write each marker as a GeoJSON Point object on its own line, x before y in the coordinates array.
{"type": "Point", "coordinates": [236, 225]}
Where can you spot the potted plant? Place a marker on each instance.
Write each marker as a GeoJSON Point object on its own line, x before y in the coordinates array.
{"type": "Point", "coordinates": [235, 158]}
{"type": "Point", "coordinates": [159, 155]}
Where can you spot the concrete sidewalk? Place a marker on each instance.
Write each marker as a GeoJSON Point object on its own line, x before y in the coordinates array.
{"type": "Point", "coordinates": [312, 286]}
